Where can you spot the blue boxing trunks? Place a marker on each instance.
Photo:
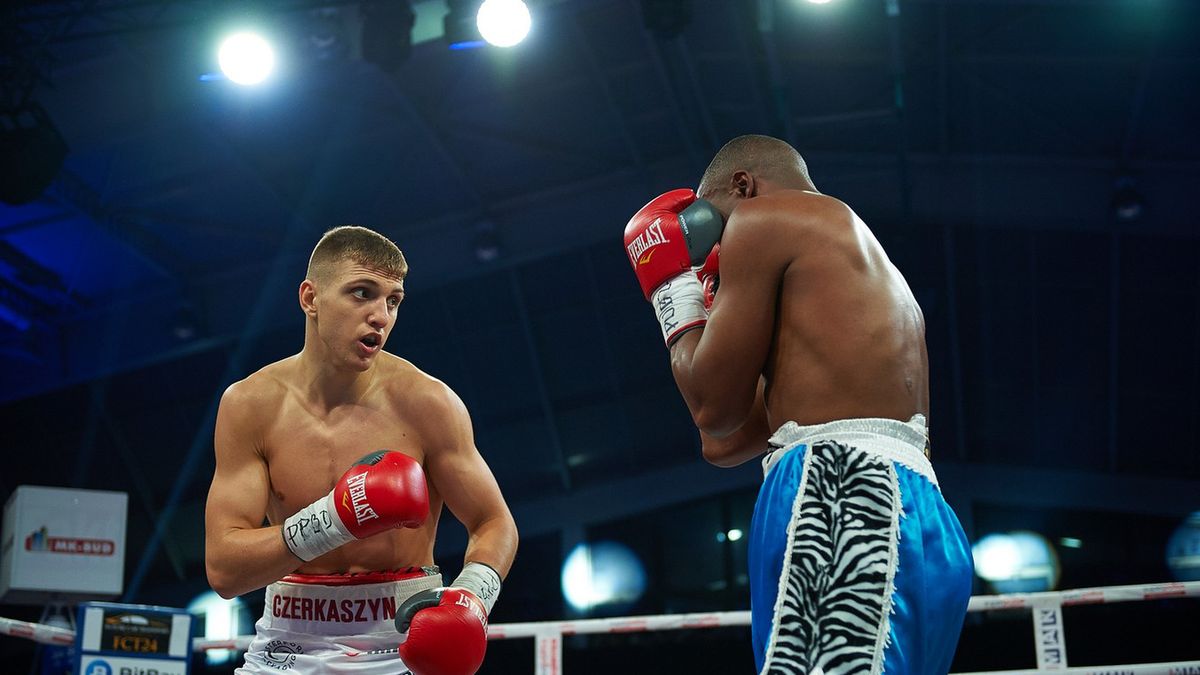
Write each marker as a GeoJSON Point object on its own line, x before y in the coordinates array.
{"type": "Point", "coordinates": [857, 564]}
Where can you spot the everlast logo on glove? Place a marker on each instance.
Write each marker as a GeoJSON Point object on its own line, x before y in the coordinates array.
{"type": "Point", "coordinates": [357, 493]}
{"type": "Point", "coordinates": [652, 236]}
{"type": "Point", "coordinates": [473, 608]}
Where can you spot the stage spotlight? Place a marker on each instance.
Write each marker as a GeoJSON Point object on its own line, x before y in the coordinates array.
{"type": "Point", "coordinates": [387, 33]}
{"type": "Point", "coordinates": [1017, 562]}
{"type": "Point", "coordinates": [604, 573]}
{"type": "Point", "coordinates": [503, 23]}
{"type": "Point", "coordinates": [246, 58]}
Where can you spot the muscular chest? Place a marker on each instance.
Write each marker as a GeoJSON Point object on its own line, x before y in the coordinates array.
{"type": "Point", "coordinates": [307, 450]}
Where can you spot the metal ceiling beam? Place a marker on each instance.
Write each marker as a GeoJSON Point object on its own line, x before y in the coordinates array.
{"type": "Point", "coordinates": [539, 378]}
{"type": "Point", "coordinates": [600, 76]}
{"type": "Point", "coordinates": [475, 132]}
{"type": "Point", "coordinates": [36, 222]}
{"type": "Point", "coordinates": [699, 102]}
{"type": "Point", "coordinates": [742, 23]}
{"type": "Point", "coordinates": [71, 190]}
{"type": "Point", "coordinates": [666, 86]}
{"type": "Point", "coordinates": [777, 81]}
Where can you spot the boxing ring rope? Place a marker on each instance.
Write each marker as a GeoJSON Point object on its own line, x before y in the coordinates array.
{"type": "Point", "coordinates": [1046, 608]}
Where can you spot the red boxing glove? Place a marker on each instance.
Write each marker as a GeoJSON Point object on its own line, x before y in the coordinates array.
{"type": "Point", "coordinates": [669, 236]}
{"type": "Point", "coordinates": [381, 491]}
{"type": "Point", "coordinates": [665, 239]}
{"type": "Point", "coordinates": [710, 275]}
{"type": "Point", "coordinates": [443, 631]}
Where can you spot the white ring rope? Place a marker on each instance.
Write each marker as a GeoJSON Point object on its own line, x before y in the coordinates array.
{"type": "Point", "coordinates": [540, 630]}
{"type": "Point", "coordinates": [1085, 596]}
{"type": "Point", "coordinates": [1172, 668]}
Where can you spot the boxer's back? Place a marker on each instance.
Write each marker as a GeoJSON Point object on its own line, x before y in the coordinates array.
{"type": "Point", "coordinates": [306, 449]}
{"type": "Point", "coordinates": [850, 338]}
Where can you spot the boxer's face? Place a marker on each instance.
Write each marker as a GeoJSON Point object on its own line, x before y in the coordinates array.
{"type": "Point", "coordinates": [356, 312]}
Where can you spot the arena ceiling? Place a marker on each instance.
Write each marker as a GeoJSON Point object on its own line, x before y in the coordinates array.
{"type": "Point", "coordinates": [1031, 166]}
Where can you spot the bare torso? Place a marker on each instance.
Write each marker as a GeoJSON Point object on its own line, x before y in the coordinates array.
{"type": "Point", "coordinates": [306, 449]}
{"type": "Point", "coordinates": [849, 338]}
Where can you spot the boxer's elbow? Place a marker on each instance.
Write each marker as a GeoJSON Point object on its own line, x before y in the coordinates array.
{"type": "Point", "coordinates": [223, 577]}
{"type": "Point", "coordinates": [221, 583]}
{"type": "Point", "coordinates": [718, 454]}
{"type": "Point", "coordinates": [716, 422]}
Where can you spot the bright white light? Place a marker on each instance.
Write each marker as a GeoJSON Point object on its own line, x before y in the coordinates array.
{"type": "Point", "coordinates": [1017, 562]}
{"type": "Point", "coordinates": [223, 619]}
{"type": "Point", "coordinates": [818, 2]}
{"type": "Point", "coordinates": [997, 557]}
{"type": "Point", "coordinates": [503, 23]}
{"type": "Point", "coordinates": [734, 534]}
{"type": "Point", "coordinates": [600, 574]}
{"type": "Point", "coordinates": [246, 58]}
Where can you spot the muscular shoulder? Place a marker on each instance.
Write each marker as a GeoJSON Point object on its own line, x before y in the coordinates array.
{"type": "Point", "coordinates": [262, 388]}
{"type": "Point", "coordinates": [249, 402]}
{"type": "Point", "coordinates": [790, 209]}
{"type": "Point", "coordinates": [417, 391]}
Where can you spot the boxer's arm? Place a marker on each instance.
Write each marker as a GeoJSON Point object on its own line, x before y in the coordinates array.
{"type": "Point", "coordinates": [743, 445]}
{"type": "Point", "coordinates": [444, 630]}
{"type": "Point", "coordinates": [240, 554]}
{"type": "Point", "coordinates": [459, 473]}
{"type": "Point", "coordinates": [718, 367]}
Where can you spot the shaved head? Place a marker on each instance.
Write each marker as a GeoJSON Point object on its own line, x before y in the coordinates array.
{"type": "Point", "coordinates": [762, 156]}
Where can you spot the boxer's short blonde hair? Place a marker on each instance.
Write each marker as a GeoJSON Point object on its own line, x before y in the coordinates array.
{"type": "Point", "coordinates": [362, 245]}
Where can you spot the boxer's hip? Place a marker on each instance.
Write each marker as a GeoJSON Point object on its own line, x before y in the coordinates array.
{"type": "Point", "coordinates": [905, 443]}
{"type": "Point", "coordinates": [342, 604]}
{"type": "Point", "coordinates": [837, 548]}
{"type": "Point", "coordinates": [340, 623]}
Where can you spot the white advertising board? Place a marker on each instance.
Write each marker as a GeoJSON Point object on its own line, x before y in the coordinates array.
{"type": "Point", "coordinates": [62, 543]}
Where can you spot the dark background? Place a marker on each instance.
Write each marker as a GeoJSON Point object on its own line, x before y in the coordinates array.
{"type": "Point", "coordinates": [1031, 166]}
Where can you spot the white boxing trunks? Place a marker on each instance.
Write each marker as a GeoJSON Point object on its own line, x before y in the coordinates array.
{"type": "Point", "coordinates": [335, 623]}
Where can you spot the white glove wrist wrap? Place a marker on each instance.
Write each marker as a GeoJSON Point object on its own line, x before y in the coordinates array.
{"type": "Point", "coordinates": [679, 305]}
{"type": "Point", "coordinates": [482, 581]}
{"type": "Point", "coordinates": [315, 530]}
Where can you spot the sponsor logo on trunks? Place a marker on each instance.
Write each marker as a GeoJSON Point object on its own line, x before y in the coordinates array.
{"type": "Point", "coordinates": [281, 654]}
{"type": "Point", "coordinates": [39, 540]}
{"type": "Point", "coordinates": [642, 248]}
{"type": "Point", "coordinates": [333, 611]}
{"type": "Point", "coordinates": [357, 494]}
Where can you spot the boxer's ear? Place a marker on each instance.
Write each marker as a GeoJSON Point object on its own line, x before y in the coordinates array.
{"type": "Point", "coordinates": [743, 184]}
{"type": "Point", "coordinates": [308, 298]}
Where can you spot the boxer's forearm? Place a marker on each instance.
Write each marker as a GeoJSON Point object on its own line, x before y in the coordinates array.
{"type": "Point", "coordinates": [241, 560]}
{"type": "Point", "coordinates": [743, 445]}
{"type": "Point", "coordinates": [493, 542]}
